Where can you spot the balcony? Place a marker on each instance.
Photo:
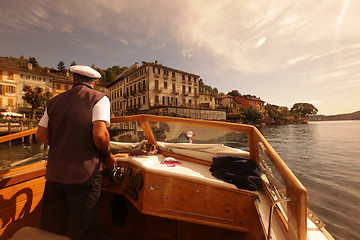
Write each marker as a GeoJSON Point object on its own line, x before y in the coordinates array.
{"type": "Point", "coordinates": [143, 90]}
{"type": "Point", "coordinates": [158, 89]}
{"type": "Point", "coordinates": [175, 92]}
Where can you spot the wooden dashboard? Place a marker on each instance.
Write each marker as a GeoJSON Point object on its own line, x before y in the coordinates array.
{"type": "Point", "coordinates": [185, 191]}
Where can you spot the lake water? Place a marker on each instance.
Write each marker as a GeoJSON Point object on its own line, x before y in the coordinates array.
{"type": "Point", "coordinates": [325, 156]}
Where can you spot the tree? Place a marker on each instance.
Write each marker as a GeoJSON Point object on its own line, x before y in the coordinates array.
{"type": "Point", "coordinates": [251, 115]}
{"type": "Point", "coordinates": [36, 97]}
{"type": "Point", "coordinates": [234, 93]}
{"type": "Point", "coordinates": [61, 67]}
{"type": "Point", "coordinates": [34, 62]}
{"type": "Point", "coordinates": [303, 110]}
{"type": "Point", "coordinates": [73, 64]}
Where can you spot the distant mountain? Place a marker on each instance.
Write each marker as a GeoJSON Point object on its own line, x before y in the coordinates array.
{"type": "Point", "coordinates": [347, 116]}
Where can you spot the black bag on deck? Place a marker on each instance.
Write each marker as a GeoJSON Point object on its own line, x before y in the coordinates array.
{"type": "Point", "coordinates": [242, 172]}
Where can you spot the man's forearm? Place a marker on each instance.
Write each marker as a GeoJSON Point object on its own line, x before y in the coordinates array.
{"type": "Point", "coordinates": [101, 140]}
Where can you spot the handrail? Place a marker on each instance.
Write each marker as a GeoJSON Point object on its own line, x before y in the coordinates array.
{"type": "Point", "coordinates": [13, 136]}
{"type": "Point", "coordinates": [297, 209]}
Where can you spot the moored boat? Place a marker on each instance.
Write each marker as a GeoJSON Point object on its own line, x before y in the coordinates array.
{"type": "Point", "coordinates": [163, 187]}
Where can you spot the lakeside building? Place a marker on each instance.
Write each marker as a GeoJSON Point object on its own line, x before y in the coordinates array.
{"type": "Point", "coordinates": [15, 74]}
{"type": "Point", "coordinates": [153, 88]}
{"type": "Point", "coordinates": [250, 101]}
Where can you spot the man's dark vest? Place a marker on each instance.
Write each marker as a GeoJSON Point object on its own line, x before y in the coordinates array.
{"type": "Point", "coordinates": [73, 157]}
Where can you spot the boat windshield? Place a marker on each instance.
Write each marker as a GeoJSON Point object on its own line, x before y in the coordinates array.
{"type": "Point", "coordinates": [198, 141]}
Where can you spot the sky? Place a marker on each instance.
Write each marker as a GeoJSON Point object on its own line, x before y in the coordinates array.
{"type": "Point", "coordinates": [283, 51]}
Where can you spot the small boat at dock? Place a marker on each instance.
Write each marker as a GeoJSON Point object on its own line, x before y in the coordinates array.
{"type": "Point", "coordinates": [164, 186]}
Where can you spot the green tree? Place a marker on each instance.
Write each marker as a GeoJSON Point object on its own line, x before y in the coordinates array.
{"type": "Point", "coordinates": [303, 110]}
{"type": "Point", "coordinates": [36, 97]}
{"type": "Point", "coordinates": [61, 67]}
{"type": "Point", "coordinates": [34, 62]}
{"type": "Point", "coordinates": [251, 115]}
{"type": "Point", "coordinates": [110, 75]}
{"type": "Point", "coordinates": [234, 93]}
{"type": "Point", "coordinates": [73, 64]}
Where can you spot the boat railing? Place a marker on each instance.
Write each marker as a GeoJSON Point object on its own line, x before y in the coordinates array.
{"type": "Point", "coordinates": [294, 223]}
{"type": "Point", "coordinates": [14, 136]}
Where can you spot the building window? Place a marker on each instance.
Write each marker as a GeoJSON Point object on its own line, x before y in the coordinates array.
{"type": "Point", "coordinates": [11, 102]}
{"type": "Point", "coordinates": [153, 69]}
{"type": "Point", "coordinates": [189, 78]}
{"type": "Point", "coordinates": [163, 100]}
{"type": "Point", "coordinates": [2, 91]}
{"type": "Point", "coordinates": [22, 75]}
{"type": "Point", "coordinates": [189, 89]}
{"type": "Point", "coordinates": [156, 99]}
{"type": "Point", "coordinates": [183, 88]}
{"type": "Point", "coordinates": [11, 76]}
{"type": "Point", "coordinates": [58, 86]}
{"type": "Point", "coordinates": [66, 87]}
{"type": "Point", "coordinates": [173, 74]}
{"type": "Point", "coordinates": [183, 77]}
{"type": "Point", "coordinates": [165, 85]}
{"type": "Point", "coordinates": [143, 99]}
{"type": "Point", "coordinates": [10, 89]}
{"type": "Point", "coordinates": [173, 87]}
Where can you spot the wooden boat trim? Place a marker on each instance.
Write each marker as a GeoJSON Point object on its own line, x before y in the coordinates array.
{"type": "Point", "coordinates": [13, 136]}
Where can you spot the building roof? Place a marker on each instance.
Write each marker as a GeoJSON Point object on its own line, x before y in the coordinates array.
{"type": "Point", "coordinates": [135, 68]}
{"type": "Point", "coordinates": [14, 65]}
{"type": "Point", "coordinates": [225, 96]}
{"type": "Point", "coordinates": [250, 98]}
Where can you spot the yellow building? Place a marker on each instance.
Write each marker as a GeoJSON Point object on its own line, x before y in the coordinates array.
{"type": "Point", "coordinates": [15, 74]}
{"type": "Point", "coordinates": [8, 86]}
{"type": "Point", "coordinates": [62, 84]}
{"type": "Point", "coordinates": [152, 85]}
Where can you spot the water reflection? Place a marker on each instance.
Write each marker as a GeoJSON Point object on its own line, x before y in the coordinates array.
{"type": "Point", "coordinates": [324, 156]}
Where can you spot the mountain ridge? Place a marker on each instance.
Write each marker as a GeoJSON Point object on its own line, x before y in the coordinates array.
{"type": "Point", "coordinates": [337, 117]}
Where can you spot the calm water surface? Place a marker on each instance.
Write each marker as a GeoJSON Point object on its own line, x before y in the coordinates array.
{"type": "Point", "coordinates": [325, 156]}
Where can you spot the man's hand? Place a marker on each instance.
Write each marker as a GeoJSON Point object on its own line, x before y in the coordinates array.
{"type": "Point", "coordinates": [111, 162]}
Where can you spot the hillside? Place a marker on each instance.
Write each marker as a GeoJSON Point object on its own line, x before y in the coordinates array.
{"type": "Point", "coordinates": [347, 116]}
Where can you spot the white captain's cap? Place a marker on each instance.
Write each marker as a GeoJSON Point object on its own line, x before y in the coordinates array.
{"type": "Point", "coordinates": [85, 71]}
